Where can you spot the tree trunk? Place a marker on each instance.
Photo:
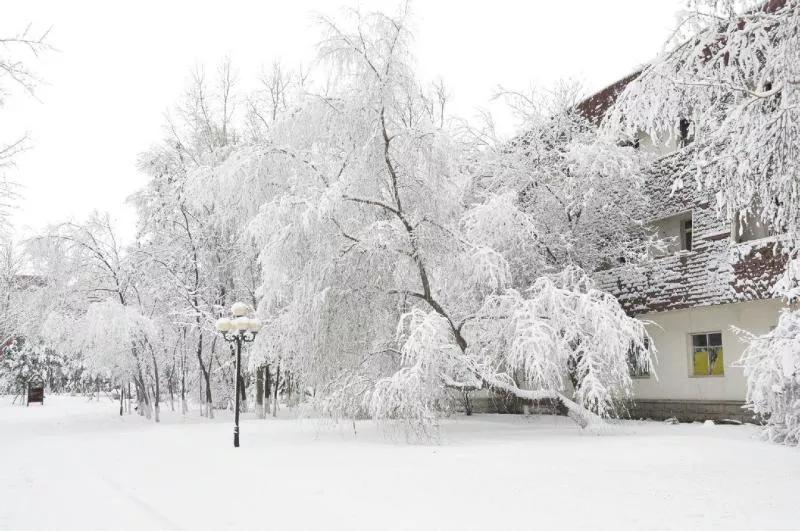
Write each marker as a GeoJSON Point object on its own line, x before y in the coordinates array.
{"type": "Point", "coordinates": [184, 406]}
{"type": "Point", "coordinates": [146, 408]}
{"type": "Point", "coordinates": [209, 400]}
{"type": "Point", "coordinates": [156, 406]}
{"type": "Point", "coordinates": [121, 398]}
{"type": "Point", "coordinates": [260, 392]}
{"type": "Point", "coordinates": [267, 389]}
{"type": "Point", "coordinates": [205, 372]}
{"type": "Point", "coordinates": [202, 395]}
{"type": "Point", "coordinates": [138, 407]}
{"type": "Point", "coordinates": [277, 383]}
{"type": "Point", "coordinates": [141, 388]}
{"type": "Point", "coordinates": [144, 401]}
{"type": "Point", "coordinates": [242, 395]}
{"type": "Point", "coordinates": [582, 416]}
{"type": "Point", "coordinates": [156, 388]}
{"type": "Point", "coordinates": [171, 389]}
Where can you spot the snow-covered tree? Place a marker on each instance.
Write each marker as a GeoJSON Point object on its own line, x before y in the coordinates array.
{"type": "Point", "coordinates": [13, 312]}
{"type": "Point", "coordinates": [771, 364]}
{"type": "Point", "coordinates": [117, 341]}
{"type": "Point", "coordinates": [17, 52]}
{"type": "Point", "coordinates": [91, 283]}
{"type": "Point", "coordinates": [24, 300]}
{"type": "Point", "coordinates": [559, 186]}
{"type": "Point", "coordinates": [191, 241]}
{"type": "Point", "coordinates": [389, 266]}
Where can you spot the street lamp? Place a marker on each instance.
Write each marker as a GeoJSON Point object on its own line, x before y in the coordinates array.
{"type": "Point", "coordinates": [240, 329]}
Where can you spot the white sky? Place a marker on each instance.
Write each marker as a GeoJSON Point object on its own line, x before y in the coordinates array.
{"type": "Point", "coordinates": [119, 66]}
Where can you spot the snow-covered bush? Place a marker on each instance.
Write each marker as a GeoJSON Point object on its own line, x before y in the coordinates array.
{"type": "Point", "coordinates": [22, 363]}
{"type": "Point", "coordinates": [771, 365]}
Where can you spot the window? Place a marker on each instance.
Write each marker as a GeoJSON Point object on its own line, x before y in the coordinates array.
{"type": "Point", "coordinates": [674, 232]}
{"type": "Point", "coordinates": [630, 142]}
{"type": "Point", "coordinates": [686, 234]}
{"type": "Point", "coordinates": [707, 357]}
{"type": "Point", "coordinates": [635, 369]}
{"type": "Point", "coordinates": [684, 132]}
{"type": "Point", "coordinates": [749, 226]}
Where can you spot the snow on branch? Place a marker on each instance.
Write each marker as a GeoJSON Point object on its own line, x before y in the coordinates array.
{"type": "Point", "coordinates": [771, 365]}
{"type": "Point", "coordinates": [563, 333]}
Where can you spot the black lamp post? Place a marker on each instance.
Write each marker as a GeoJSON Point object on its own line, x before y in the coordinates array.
{"type": "Point", "coordinates": [240, 329]}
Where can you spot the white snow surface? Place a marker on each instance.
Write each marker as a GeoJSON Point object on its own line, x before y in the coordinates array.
{"type": "Point", "coordinates": [75, 464]}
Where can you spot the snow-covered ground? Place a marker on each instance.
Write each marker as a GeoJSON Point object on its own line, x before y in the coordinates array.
{"type": "Point", "coordinates": [77, 465]}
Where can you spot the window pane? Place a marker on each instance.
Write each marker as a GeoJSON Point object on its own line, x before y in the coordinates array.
{"type": "Point", "coordinates": [699, 340]}
{"type": "Point", "coordinates": [636, 370]}
{"type": "Point", "coordinates": [700, 363]}
{"type": "Point", "coordinates": [716, 361]}
{"type": "Point", "coordinates": [708, 362]}
{"type": "Point", "coordinates": [715, 340]}
{"type": "Point", "coordinates": [687, 234]}
{"type": "Point", "coordinates": [683, 132]}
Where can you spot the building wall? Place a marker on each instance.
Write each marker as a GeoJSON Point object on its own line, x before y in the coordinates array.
{"type": "Point", "coordinates": [671, 335]}
{"type": "Point", "coordinates": [675, 392]}
{"type": "Point", "coordinates": [720, 283]}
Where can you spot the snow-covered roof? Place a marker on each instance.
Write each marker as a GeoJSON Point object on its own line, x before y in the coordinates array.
{"type": "Point", "coordinates": [715, 271]}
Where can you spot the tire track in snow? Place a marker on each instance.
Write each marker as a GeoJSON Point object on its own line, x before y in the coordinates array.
{"type": "Point", "coordinates": [164, 522]}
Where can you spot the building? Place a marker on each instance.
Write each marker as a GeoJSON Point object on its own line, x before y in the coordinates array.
{"type": "Point", "coordinates": [714, 276]}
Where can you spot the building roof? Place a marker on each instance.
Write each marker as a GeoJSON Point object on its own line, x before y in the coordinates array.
{"type": "Point", "coordinates": [595, 106]}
